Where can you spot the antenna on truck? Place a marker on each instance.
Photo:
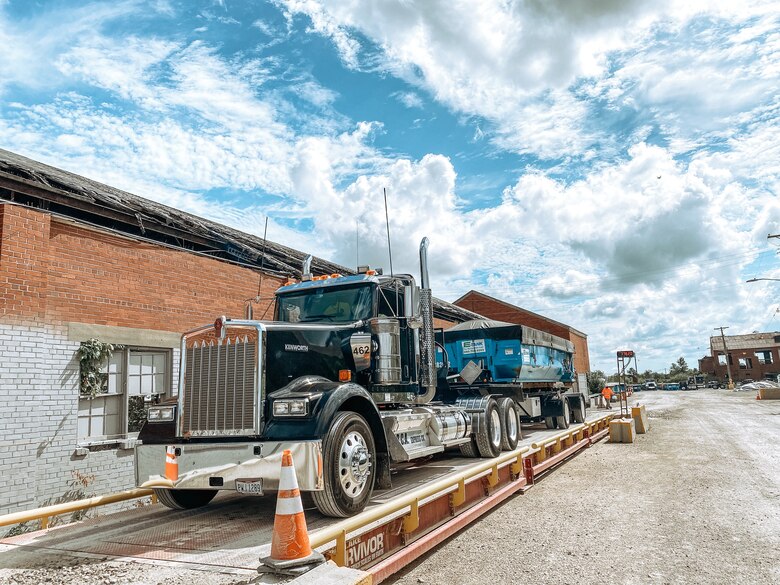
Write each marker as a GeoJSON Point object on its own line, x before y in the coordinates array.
{"type": "Point", "coordinates": [387, 223]}
{"type": "Point", "coordinates": [256, 299]}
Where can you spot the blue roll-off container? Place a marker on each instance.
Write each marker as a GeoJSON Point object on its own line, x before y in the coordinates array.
{"type": "Point", "coordinates": [510, 353]}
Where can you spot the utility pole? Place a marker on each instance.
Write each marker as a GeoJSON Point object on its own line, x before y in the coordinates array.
{"type": "Point", "coordinates": [726, 353]}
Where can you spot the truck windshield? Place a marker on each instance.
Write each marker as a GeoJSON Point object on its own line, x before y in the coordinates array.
{"type": "Point", "coordinates": [329, 304]}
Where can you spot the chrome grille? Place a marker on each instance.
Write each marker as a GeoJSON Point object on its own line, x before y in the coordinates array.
{"type": "Point", "coordinates": [219, 387]}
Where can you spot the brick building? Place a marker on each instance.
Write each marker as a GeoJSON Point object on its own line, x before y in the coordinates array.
{"type": "Point", "coordinates": [755, 356]}
{"type": "Point", "coordinates": [501, 311]}
{"type": "Point", "coordinates": [81, 260]}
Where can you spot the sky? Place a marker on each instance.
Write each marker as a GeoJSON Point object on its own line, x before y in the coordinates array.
{"type": "Point", "coordinates": [610, 164]}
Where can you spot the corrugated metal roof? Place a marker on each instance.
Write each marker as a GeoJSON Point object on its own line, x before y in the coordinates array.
{"type": "Point", "coordinates": [28, 182]}
{"type": "Point", "coordinates": [752, 341]}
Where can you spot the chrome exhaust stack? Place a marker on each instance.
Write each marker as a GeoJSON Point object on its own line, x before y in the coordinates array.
{"type": "Point", "coordinates": [427, 348]}
{"type": "Point", "coordinates": [306, 269]}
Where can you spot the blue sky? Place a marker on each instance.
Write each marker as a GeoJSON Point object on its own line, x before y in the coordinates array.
{"type": "Point", "coordinates": [612, 165]}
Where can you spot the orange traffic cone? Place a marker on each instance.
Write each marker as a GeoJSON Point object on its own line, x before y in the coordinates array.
{"type": "Point", "coordinates": [290, 547]}
{"type": "Point", "coordinates": [171, 464]}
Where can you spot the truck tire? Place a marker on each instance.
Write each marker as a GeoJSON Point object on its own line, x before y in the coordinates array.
{"type": "Point", "coordinates": [581, 412]}
{"type": "Point", "coordinates": [564, 420]}
{"type": "Point", "coordinates": [510, 424]}
{"type": "Point", "coordinates": [549, 422]}
{"type": "Point", "coordinates": [348, 456]}
{"type": "Point", "coordinates": [184, 499]}
{"type": "Point", "coordinates": [469, 449]}
{"type": "Point", "coordinates": [489, 435]}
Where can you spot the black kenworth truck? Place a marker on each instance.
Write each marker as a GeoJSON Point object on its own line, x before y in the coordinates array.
{"type": "Point", "coordinates": [346, 377]}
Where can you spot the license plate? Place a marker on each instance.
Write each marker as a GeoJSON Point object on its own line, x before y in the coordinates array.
{"type": "Point", "coordinates": [250, 486]}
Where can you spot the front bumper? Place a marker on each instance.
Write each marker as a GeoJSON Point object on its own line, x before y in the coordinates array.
{"type": "Point", "coordinates": [200, 464]}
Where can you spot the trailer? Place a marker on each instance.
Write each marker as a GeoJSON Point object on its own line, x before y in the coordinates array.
{"type": "Point", "coordinates": [346, 378]}
{"type": "Point", "coordinates": [533, 367]}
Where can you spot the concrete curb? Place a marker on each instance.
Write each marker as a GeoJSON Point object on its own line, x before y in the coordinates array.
{"type": "Point", "coordinates": [331, 574]}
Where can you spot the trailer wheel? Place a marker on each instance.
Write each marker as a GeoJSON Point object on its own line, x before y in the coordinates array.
{"type": "Point", "coordinates": [565, 419]}
{"type": "Point", "coordinates": [489, 435]}
{"type": "Point", "coordinates": [549, 422]}
{"type": "Point", "coordinates": [184, 499]}
{"type": "Point", "coordinates": [510, 424]}
{"type": "Point", "coordinates": [348, 455]}
{"type": "Point", "coordinates": [580, 413]}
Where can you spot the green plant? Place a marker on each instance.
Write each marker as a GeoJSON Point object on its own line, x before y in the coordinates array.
{"type": "Point", "coordinates": [93, 354]}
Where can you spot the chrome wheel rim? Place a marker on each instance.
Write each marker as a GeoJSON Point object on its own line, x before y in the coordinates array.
{"type": "Point", "coordinates": [354, 464]}
{"type": "Point", "coordinates": [511, 430]}
{"type": "Point", "coordinates": [495, 427]}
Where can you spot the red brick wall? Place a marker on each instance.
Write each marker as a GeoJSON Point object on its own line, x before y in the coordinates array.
{"type": "Point", "coordinates": [757, 372]}
{"type": "Point", "coordinates": [498, 311]}
{"type": "Point", "coordinates": [23, 261]}
{"type": "Point", "coordinates": [69, 273]}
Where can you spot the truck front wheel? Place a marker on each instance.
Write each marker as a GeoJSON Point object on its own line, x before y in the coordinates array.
{"type": "Point", "coordinates": [348, 455]}
{"type": "Point", "coordinates": [184, 499]}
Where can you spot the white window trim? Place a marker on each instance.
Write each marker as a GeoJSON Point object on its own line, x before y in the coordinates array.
{"type": "Point", "coordinates": [127, 439]}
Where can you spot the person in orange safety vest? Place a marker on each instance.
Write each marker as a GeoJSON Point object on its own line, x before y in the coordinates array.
{"type": "Point", "coordinates": [607, 394]}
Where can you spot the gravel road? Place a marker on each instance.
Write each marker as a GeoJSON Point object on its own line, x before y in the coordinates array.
{"type": "Point", "coordinates": [696, 500]}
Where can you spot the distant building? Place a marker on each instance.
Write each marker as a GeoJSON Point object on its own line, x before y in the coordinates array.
{"type": "Point", "coordinates": [502, 311]}
{"type": "Point", "coordinates": [707, 365]}
{"type": "Point", "coordinates": [755, 356]}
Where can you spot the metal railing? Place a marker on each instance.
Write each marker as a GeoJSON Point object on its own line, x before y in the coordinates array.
{"type": "Point", "coordinates": [47, 512]}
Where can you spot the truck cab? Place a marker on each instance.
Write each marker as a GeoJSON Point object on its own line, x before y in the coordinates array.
{"type": "Point", "coordinates": [340, 377]}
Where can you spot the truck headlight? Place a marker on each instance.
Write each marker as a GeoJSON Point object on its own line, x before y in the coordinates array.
{"type": "Point", "coordinates": [160, 413]}
{"type": "Point", "coordinates": [291, 407]}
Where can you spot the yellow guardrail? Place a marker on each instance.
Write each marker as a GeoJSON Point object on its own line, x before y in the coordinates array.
{"type": "Point", "coordinates": [455, 484]}
{"type": "Point", "coordinates": [43, 514]}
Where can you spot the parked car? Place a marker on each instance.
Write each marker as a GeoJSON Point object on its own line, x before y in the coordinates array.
{"type": "Point", "coordinates": [713, 384]}
{"type": "Point", "coordinates": [651, 385]}
{"type": "Point", "coordinates": [672, 386]}
{"type": "Point", "coordinates": [683, 385]}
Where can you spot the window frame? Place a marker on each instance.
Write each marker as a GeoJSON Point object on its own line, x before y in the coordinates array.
{"type": "Point", "coordinates": [124, 408]}
{"type": "Point", "coordinates": [764, 357]}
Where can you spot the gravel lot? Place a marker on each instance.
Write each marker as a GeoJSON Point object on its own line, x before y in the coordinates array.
{"type": "Point", "coordinates": [697, 500]}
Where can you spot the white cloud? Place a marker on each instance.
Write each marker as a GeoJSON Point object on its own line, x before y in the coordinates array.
{"type": "Point", "coordinates": [639, 252]}
{"type": "Point", "coordinates": [516, 64]}
{"type": "Point", "coordinates": [409, 99]}
{"type": "Point", "coordinates": [25, 46]}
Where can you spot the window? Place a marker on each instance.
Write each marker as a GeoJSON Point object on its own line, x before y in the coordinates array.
{"type": "Point", "coordinates": [764, 356]}
{"type": "Point", "coordinates": [391, 302]}
{"type": "Point", "coordinates": [135, 377]}
{"type": "Point", "coordinates": [722, 359]}
{"type": "Point", "coordinates": [337, 304]}
{"type": "Point", "coordinates": [745, 363]}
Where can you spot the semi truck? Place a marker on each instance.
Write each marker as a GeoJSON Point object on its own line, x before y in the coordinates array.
{"type": "Point", "coordinates": [352, 378]}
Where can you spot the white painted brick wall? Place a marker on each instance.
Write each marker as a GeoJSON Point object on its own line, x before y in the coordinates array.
{"type": "Point", "coordinates": [39, 394]}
